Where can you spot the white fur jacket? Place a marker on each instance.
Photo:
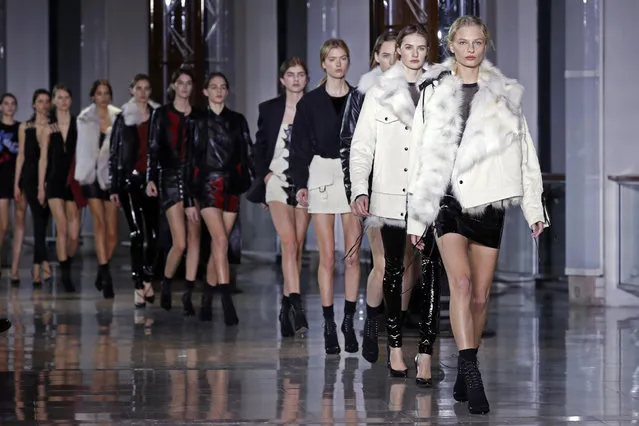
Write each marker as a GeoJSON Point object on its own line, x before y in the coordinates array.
{"type": "Point", "coordinates": [132, 114]}
{"type": "Point", "coordinates": [92, 162]}
{"type": "Point", "coordinates": [381, 145]}
{"type": "Point", "coordinates": [494, 163]}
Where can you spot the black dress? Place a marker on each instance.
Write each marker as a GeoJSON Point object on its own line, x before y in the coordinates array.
{"type": "Point", "coordinates": [484, 229]}
{"type": "Point", "coordinates": [8, 156]}
{"type": "Point", "coordinates": [93, 190]}
{"type": "Point", "coordinates": [60, 158]}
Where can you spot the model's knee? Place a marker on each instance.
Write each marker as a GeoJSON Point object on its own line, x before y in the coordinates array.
{"type": "Point", "coordinates": [220, 244]}
{"type": "Point", "coordinates": [179, 245]}
{"type": "Point", "coordinates": [479, 301]}
{"type": "Point", "coordinates": [327, 261]}
{"type": "Point", "coordinates": [289, 246]}
{"type": "Point", "coordinates": [352, 260]}
{"type": "Point", "coordinates": [460, 286]}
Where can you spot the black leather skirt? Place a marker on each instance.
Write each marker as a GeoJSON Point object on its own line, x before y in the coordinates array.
{"type": "Point", "coordinates": [484, 229]}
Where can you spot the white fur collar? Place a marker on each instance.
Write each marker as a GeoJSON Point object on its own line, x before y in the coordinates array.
{"type": "Point", "coordinates": [90, 113]}
{"type": "Point", "coordinates": [395, 95]}
{"type": "Point", "coordinates": [132, 114]}
{"type": "Point", "coordinates": [494, 124]}
{"type": "Point", "coordinates": [368, 80]}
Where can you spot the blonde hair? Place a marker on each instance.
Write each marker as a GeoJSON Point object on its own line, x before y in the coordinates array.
{"type": "Point", "coordinates": [467, 21]}
{"type": "Point", "coordinates": [330, 44]}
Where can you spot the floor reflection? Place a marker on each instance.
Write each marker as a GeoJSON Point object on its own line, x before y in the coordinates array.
{"type": "Point", "coordinates": [78, 359]}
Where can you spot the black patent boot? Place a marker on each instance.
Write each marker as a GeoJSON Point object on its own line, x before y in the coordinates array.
{"type": "Point", "coordinates": [166, 295]}
{"type": "Point", "coordinates": [286, 326]}
{"type": "Point", "coordinates": [65, 270]}
{"type": "Point", "coordinates": [297, 314]}
{"type": "Point", "coordinates": [348, 329]}
{"type": "Point", "coordinates": [477, 401]}
{"type": "Point", "coordinates": [206, 306]}
{"type": "Point", "coordinates": [187, 302]}
{"type": "Point", "coordinates": [228, 308]}
{"type": "Point", "coordinates": [331, 344]}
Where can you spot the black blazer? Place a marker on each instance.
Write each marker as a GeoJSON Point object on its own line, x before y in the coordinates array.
{"type": "Point", "coordinates": [316, 131]}
{"type": "Point", "coordinates": [271, 114]}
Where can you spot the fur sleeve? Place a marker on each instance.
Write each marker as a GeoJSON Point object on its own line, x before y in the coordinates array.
{"type": "Point", "coordinates": [532, 203]}
{"type": "Point", "coordinates": [86, 152]}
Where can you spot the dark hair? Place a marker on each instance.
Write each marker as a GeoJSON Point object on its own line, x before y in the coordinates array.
{"type": "Point", "coordinates": [60, 87]}
{"type": "Point", "coordinates": [292, 62]}
{"type": "Point", "coordinates": [387, 35]}
{"type": "Point", "coordinates": [98, 83]}
{"type": "Point", "coordinates": [34, 98]}
{"type": "Point", "coordinates": [182, 71]}
{"type": "Point", "coordinates": [418, 29]}
{"type": "Point", "coordinates": [9, 95]}
{"type": "Point", "coordinates": [139, 77]}
{"type": "Point", "coordinates": [214, 74]}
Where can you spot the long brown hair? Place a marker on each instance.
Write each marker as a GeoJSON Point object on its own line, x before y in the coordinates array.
{"type": "Point", "coordinates": [332, 43]}
{"type": "Point", "coordinates": [387, 35]}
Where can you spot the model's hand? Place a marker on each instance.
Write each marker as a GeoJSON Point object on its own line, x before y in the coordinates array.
{"type": "Point", "coordinates": [151, 189]}
{"type": "Point", "coordinates": [115, 199]}
{"type": "Point", "coordinates": [537, 229]}
{"type": "Point", "coordinates": [359, 207]}
{"type": "Point", "coordinates": [41, 196]}
{"type": "Point", "coordinates": [192, 214]}
{"type": "Point", "coordinates": [17, 194]}
{"type": "Point", "coordinates": [268, 177]}
{"type": "Point", "coordinates": [264, 206]}
{"type": "Point", "coordinates": [417, 241]}
{"type": "Point", "coordinates": [302, 197]}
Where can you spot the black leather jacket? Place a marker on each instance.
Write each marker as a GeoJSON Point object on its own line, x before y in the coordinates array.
{"type": "Point", "coordinates": [228, 150]}
{"type": "Point", "coordinates": [349, 122]}
{"type": "Point", "coordinates": [125, 146]}
{"type": "Point", "coordinates": [174, 139]}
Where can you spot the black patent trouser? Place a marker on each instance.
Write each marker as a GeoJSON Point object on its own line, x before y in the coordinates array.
{"type": "Point", "coordinates": [142, 215]}
{"type": "Point", "coordinates": [428, 289]}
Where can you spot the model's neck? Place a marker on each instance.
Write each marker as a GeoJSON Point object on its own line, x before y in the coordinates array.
{"type": "Point", "coordinates": [41, 119]}
{"type": "Point", "coordinates": [103, 110]}
{"type": "Point", "coordinates": [336, 87]}
{"type": "Point", "coordinates": [292, 98]}
{"type": "Point", "coordinates": [143, 106]}
{"type": "Point", "coordinates": [412, 75]}
{"type": "Point", "coordinates": [466, 74]}
{"type": "Point", "coordinates": [8, 120]}
{"type": "Point", "coordinates": [62, 115]}
{"type": "Point", "coordinates": [216, 108]}
{"type": "Point", "coordinates": [181, 104]}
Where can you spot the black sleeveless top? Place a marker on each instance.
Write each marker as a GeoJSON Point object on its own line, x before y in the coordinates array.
{"type": "Point", "coordinates": [61, 154]}
{"type": "Point", "coordinates": [29, 175]}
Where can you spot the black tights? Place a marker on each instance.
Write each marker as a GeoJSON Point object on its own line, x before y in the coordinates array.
{"type": "Point", "coordinates": [142, 215]}
{"type": "Point", "coordinates": [428, 290]}
{"type": "Point", "coordinates": [40, 215]}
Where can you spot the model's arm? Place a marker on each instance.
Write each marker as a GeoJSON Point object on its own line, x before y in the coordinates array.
{"type": "Point", "coordinates": [155, 132]}
{"type": "Point", "coordinates": [349, 122]}
{"type": "Point", "coordinates": [362, 149]}
{"type": "Point", "coordinates": [115, 159]}
{"type": "Point", "coordinates": [19, 161]}
{"type": "Point", "coordinates": [302, 146]}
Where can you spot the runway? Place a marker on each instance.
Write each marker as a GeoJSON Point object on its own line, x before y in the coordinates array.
{"type": "Point", "coordinates": [72, 360]}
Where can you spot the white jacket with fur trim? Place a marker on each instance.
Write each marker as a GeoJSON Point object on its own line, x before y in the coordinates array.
{"type": "Point", "coordinates": [381, 145]}
{"type": "Point", "coordinates": [92, 162]}
{"type": "Point", "coordinates": [495, 163]}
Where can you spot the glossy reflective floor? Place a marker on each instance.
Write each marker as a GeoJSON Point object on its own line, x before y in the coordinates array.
{"type": "Point", "coordinates": [76, 359]}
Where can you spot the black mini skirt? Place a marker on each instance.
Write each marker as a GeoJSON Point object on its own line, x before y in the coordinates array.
{"type": "Point", "coordinates": [484, 229]}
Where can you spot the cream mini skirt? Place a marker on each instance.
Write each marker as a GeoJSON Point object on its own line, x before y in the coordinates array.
{"type": "Point", "coordinates": [326, 192]}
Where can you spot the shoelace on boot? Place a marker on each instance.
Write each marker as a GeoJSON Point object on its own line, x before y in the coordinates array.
{"type": "Point", "coordinates": [371, 328]}
{"type": "Point", "coordinates": [472, 376]}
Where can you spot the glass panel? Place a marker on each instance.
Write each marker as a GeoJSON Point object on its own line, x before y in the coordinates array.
{"type": "Point", "coordinates": [583, 171]}
{"type": "Point", "coordinates": [629, 234]}
{"type": "Point", "coordinates": [3, 43]}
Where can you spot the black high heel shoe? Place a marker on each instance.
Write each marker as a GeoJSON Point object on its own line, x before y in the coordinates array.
{"type": "Point", "coordinates": [419, 381]}
{"type": "Point", "coordinates": [400, 374]}
{"type": "Point", "coordinates": [138, 295]}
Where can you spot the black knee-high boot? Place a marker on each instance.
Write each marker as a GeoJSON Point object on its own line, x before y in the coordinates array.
{"type": "Point", "coordinates": [429, 295]}
{"type": "Point", "coordinates": [394, 240]}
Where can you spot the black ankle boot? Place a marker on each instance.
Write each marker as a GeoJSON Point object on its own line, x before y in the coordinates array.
{"type": "Point", "coordinates": [331, 344]}
{"type": "Point", "coordinates": [350, 340]}
{"type": "Point", "coordinates": [370, 347]}
{"type": "Point", "coordinates": [230, 315]}
{"type": "Point", "coordinates": [107, 282]}
{"type": "Point", "coordinates": [206, 306]}
{"type": "Point", "coordinates": [166, 295]}
{"type": "Point", "coordinates": [459, 389]}
{"type": "Point", "coordinates": [98, 279]}
{"type": "Point", "coordinates": [297, 314]}
{"type": "Point", "coordinates": [187, 304]}
{"type": "Point", "coordinates": [65, 269]}
{"type": "Point", "coordinates": [477, 401]}
{"type": "Point", "coordinates": [286, 325]}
